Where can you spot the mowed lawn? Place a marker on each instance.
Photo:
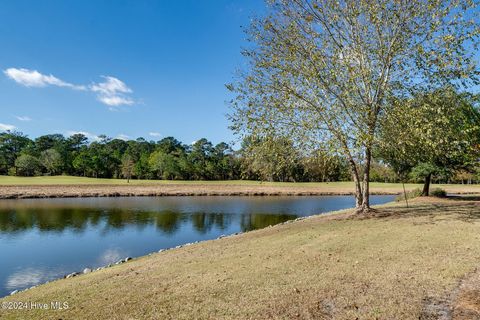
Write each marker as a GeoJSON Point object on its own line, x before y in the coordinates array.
{"type": "Point", "coordinates": [342, 187]}
{"type": "Point", "coordinates": [399, 264]}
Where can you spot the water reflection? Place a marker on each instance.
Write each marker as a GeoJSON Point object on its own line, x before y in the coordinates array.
{"type": "Point", "coordinates": [26, 277]}
{"type": "Point", "coordinates": [30, 277]}
{"type": "Point", "coordinates": [111, 256]}
{"type": "Point", "coordinates": [43, 239]}
{"type": "Point", "coordinates": [78, 220]}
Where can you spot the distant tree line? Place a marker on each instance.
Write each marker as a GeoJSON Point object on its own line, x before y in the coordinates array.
{"type": "Point", "coordinates": [168, 158]}
{"type": "Point", "coordinates": [267, 159]}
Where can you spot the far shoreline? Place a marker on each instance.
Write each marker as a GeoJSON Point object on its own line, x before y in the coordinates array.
{"type": "Point", "coordinates": [107, 191]}
{"type": "Point", "coordinates": [201, 188]}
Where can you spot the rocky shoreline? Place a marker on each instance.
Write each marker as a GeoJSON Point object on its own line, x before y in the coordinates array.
{"type": "Point", "coordinates": [87, 270]}
{"type": "Point", "coordinates": [75, 274]}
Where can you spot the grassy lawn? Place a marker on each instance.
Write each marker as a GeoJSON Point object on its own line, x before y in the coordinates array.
{"type": "Point", "coordinates": [390, 266]}
{"type": "Point", "coordinates": [70, 180]}
{"type": "Point", "coordinates": [62, 180]}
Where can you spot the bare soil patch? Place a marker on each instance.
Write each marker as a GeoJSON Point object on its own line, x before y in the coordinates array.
{"type": "Point", "coordinates": [466, 301]}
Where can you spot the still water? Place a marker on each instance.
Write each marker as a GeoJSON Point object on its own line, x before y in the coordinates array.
{"type": "Point", "coordinates": [44, 239]}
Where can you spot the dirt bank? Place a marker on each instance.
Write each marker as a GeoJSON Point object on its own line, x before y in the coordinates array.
{"type": "Point", "coordinates": [64, 191]}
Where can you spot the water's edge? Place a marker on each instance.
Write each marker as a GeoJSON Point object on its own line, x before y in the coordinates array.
{"type": "Point", "coordinates": [87, 270]}
{"type": "Point", "coordinates": [94, 233]}
{"type": "Point", "coordinates": [188, 194]}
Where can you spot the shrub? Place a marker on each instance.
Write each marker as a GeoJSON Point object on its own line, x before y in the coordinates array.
{"type": "Point", "coordinates": [410, 195]}
{"type": "Point", "coordinates": [438, 192]}
{"type": "Point", "coordinates": [12, 171]}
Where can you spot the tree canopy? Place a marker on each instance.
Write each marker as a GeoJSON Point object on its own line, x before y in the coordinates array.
{"type": "Point", "coordinates": [434, 133]}
{"type": "Point", "coordinates": [323, 71]}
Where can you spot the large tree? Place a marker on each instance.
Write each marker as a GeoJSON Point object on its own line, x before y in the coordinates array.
{"type": "Point", "coordinates": [200, 157]}
{"type": "Point", "coordinates": [165, 165]}
{"type": "Point", "coordinates": [11, 145]}
{"type": "Point", "coordinates": [323, 70]}
{"type": "Point", "coordinates": [52, 161]}
{"type": "Point", "coordinates": [270, 159]}
{"type": "Point", "coordinates": [435, 133]}
{"type": "Point", "coordinates": [27, 165]}
{"type": "Point", "coordinates": [127, 167]}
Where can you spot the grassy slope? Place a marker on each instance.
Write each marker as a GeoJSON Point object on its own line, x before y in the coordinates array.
{"type": "Point", "coordinates": [381, 267]}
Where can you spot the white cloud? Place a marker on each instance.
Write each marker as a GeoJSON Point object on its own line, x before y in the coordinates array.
{"type": "Point", "coordinates": [111, 86]}
{"type": "Point", "coordinates": [154, 134]}
{"type": "Point", "coordinates": [33, 78]}
{"type": "Point", "coordinates": [112, 92]}
{"type": "Point", "coordinates": [6, 127]}
{"type": "Point", "coordinates": [123, 137]}
{"type": "Point", "coordinates": [23, 118]}
{"type": "Point", "coordinates": [115, 100]}
{"type": "Point", "coordinates": [89, 135]}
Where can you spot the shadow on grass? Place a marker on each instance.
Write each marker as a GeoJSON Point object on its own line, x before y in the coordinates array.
{"type": "Point", "coordinates": [474, 197]}
{"type": "Point", "coordinates": [464, 208]}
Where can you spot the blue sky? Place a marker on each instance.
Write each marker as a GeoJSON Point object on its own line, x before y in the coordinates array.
{"type": "Point", "coordinates": [122, 68]}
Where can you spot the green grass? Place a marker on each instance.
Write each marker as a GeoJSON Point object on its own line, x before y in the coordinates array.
{"type": "Point", "coordinates": [327, 186]}
{"type": "Point", "coordinates": [385, 267]}
{"type": "Point", "coordinates": [71, 180]}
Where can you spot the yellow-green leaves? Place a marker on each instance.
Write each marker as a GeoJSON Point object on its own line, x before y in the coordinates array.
{"type": "Point", "coordinates": [319, 66]}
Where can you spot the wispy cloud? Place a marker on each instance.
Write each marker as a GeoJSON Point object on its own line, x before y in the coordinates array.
{"type": "Point", "coordinates": [33, 78]}
{"type": "Point", "coordinates": [112, 92]}
{"type": "Point", "coordinates": [6, 127]}
{"type": "Point", "coordinates": [89, 135]}
{"type": "Point", "coordinates": [154, 134]}
{"type": "Point", "coordinates": [123, 137]}
{"type": "Point", "coordinates": [23, 118]}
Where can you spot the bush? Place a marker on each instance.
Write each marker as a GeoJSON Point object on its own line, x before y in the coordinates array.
{"type": "Point", "coordinates": [12, 171]}
{"type": "Point", "coordinates": [438, 192]}
{"type": "Point", "coordinates": [410, 195]}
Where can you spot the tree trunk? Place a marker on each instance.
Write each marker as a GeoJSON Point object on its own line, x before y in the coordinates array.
{"type": "Point", "coordinates": [358, 187]}
{"type": "Point", "coordinates": [405, 193]}
{"type": "Point", "coordinates": [358, 193]}
{"type": "Point", "coordinates": [426, 185]}
{"type": "Point", "coordinates": [365, 207]}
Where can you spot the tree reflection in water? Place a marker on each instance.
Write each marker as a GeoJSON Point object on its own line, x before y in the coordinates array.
{"type": "Point", "coordinates": [167, 221]}
{"type": "Point", "coordinates": [43, 239]}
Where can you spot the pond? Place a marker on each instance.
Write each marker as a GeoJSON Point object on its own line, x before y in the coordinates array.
{"type": "Point", "coordinates": [44, 239]}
